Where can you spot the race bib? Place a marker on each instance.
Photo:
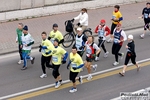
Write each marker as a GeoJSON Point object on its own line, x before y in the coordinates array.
{"type": "Point", "coordinates": [146, 15]}
{"type": "Point", "coordinates": [101, 33]}
{"type": "Point", "coordinates": [115, 40]}
{"type": "Point", "coordinates": [73, 65]}
{"type": "Point", "coordinates": [113, 17]}
{"type": "Point", "coordinates": [55, 59]}
{"type": "Point", "coordinates": [88, 51]}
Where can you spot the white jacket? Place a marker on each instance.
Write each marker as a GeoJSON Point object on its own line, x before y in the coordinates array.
{"type": "Point", "coordinates": [83, 19]}
{"type": "Point", "coordinates": [26, 40]}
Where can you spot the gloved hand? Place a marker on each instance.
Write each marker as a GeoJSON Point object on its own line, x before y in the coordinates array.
{"type": "Point", "coordinates": [74, 68]}
{"type": "Point", "coordinates": [63, 62]}
{"type": "Point", "coordinates": [72, 20]}
{"type": "Point", "coordinates": [78, 24]}
{"type": "Point", "coordinates": [40, 46]}
{"type": "Point", "coordinates": [40, 50]}
{"type": "Point", "coordinates": [93, 55]}
{"type": "Point", "coordinates": [47, 53]}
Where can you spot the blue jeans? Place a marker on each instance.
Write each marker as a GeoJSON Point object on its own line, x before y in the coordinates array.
{"type": "Point", "coordinates": [25, 56]}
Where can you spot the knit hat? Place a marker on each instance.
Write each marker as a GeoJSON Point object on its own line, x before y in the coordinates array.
{"type": "Point", "coordinates": [56, 40]}
{"type": "Point", "coordinates": [25, 28]}
{"type": "Point", "coordinates": [130, 37]}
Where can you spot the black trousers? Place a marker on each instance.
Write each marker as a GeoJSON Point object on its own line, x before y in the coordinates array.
{"type": "Point", "coordinates": [45, 60]}
{"type": "Point", "coordinates": [101, 44]}
{"type": "Point", "coordinates": [56, 71]}
{"type": "Point", "coordinates": [130, 56]}
{"type": "Point", "coordinates": [115, 50]}
{"type": "Point", "coordinates": [146, 21]}
{"type": "Point", "coordinates": [20, 52]}
{"type": "Point", "coordinates": [113, 26]}
{"type": "Point", "coordinates": [73, 76]}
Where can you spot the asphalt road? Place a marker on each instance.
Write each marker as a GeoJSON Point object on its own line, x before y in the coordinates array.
{"type": "Point", "coordinates": [13, 80]}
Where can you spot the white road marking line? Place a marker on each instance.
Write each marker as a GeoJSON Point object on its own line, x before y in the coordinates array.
{"type": "Point", "coordinates": [66, 81]}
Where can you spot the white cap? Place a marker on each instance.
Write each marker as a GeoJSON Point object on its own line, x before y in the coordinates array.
{"type": "Point", "coordinates": [79, 29]}
{"type": "Point", "coordinates": [130, 37]}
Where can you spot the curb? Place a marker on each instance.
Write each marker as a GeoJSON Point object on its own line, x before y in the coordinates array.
{"type": "Point", "coordinates": [36, 45]}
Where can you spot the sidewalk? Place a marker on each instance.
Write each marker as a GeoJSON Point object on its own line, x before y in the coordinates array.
{"type": "Point", "coordinates": [130, 14]}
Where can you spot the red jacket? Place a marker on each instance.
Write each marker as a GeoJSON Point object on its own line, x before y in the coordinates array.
{"type": "Point", "coordinates": [107, 30]}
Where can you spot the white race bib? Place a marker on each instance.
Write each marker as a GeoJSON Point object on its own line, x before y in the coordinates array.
{"type": "Point", "coordinates": [55, 59]}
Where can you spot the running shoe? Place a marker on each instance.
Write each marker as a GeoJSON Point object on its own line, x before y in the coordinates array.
{"type": "Point", "coordinates": [94, 67]}
{"type": "Point", "coordinates": [20, 62]}
{"type": "Point", "coordinates": [89, 77]}
{"type": "Point", "coordinates": [32, 61]}
{"type": "Point", "coordinates": [80, 79]}
{"type": "Point", "coordinates": [24, 68]}
{"type": "Point", "coordinates": [122, 74]}
{"type": "Point", "coordinates": [43, 76]}
{"type": "Point", "coordinates": [73, 90]}
{"type": "Point", "coordinates": [96, 58]}
{"type": "Point", "coordinates": [122, 55]}
{"type": "Point", "coordinates": [116, 63]}
{"type": "Point", "coordinates": [106, 54]}
{"type": "Point", "coordinates": [57, 85]}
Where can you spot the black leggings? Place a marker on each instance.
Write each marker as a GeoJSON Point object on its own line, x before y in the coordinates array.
{"type": "Point", "coordinates": [146, 21]}
{"type": "Point", "coordinates": [73, 76]}
{"type": "Point", "coordinates": [101, 44]}
{"type": "Point", "coordinates": [113, 26]}
{"type": "Point", "coordinates": [20, 52]}
{"type": "Point", "coordinates": [128, 57]}
{"type": "Point", "coordinates": [56, 71]}
{"type": "Point", "coordinates": [45, 60]}
{"type": "Point", "coordinates": [115, 50]}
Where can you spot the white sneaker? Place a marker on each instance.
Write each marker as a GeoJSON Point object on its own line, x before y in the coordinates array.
{"type": "Point", "coordinates": [109, 40]}
{"type": "Point", "coordinates": [96, 58]}
{"type": "Point", "coordinates": [115, 63]}
{"type": "Point", "coordinates": [94, 67]}
{"type": "Point", "coordinates": [142, 36]}
{"type": "Point", "coordinates": [122, 56]}
{"type": "Point", "coordinates": [43, 76]}
{"type": "Point", "coordinates": [89, 77]}
{"type": "Point", "coordinates": [20, 62]}
{"type": "Point", "coordinates": [80, 79]}
{"type": "Point", "coordinates": [73, 90]}
{"type": "Point", "coordinates": [57, 85]}
{"type": "Point", "coordinates": [106, 54]}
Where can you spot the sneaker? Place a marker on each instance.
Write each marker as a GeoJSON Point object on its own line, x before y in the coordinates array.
{"type": "Point", "coordinates": [139, 68]}
{"type": "Point", "coordinates": [106, 54]}
{"type": "Point", "coordinates": [57, 85]}
{"type": "Point", "coordinates": [73, 90]}
{"type": "Point", "coordinates": [96, 58]}
{"type": "Point", "coordinates": [94, 67]}
{"type": "Point", "coordinates": [32, 61]}
{"type": "Point", "coordinates": [24, 68]}
{"type": "Point", "coordinates": [122, 55]}
{"type": "Point", "coordinates": [80, 80]}
{"type": "Point", "coordinates": [142, 36]}
{"type": "Point", "coordinates": [20, 62]}
{"type": "Point", "coordinates": [115, 63]}
{"type": "Point", "coordinates": [43, 76]}
{"type": "Point", "coordinates": [89, 77]}
{"type": "Point", "coordinates": [122, 74]}
{"type": "Point", "coordinates": [109, 40]}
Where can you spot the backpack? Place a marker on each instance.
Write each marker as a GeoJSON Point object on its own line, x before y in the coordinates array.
{"type": "Point", "coordinates": [68, 26]}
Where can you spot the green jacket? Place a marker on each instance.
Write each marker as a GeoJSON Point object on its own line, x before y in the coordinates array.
{"type": "Point", "coordinates": [19, 34]}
